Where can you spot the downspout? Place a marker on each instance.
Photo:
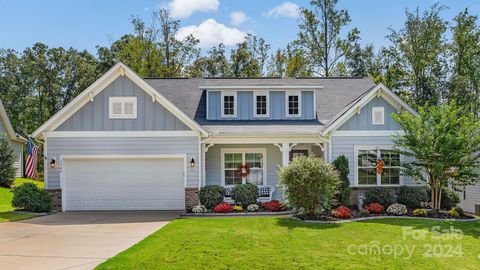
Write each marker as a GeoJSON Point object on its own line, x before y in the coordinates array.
{"type": "Point", "coordinates": [201, 159]}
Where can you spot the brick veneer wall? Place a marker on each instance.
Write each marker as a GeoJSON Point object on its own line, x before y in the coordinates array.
{"type": "Point", "coordinates": [56, 195]}
{"type": "Point", "coordinates": [191, 198]}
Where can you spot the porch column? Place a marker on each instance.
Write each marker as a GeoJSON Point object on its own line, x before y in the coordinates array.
{"type": "Point", "coordinates": [285, 154]}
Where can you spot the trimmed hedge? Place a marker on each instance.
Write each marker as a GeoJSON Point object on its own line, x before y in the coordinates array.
{"type": "Point", "coordinates": [412, 196]}
{"type": "Point", "coordinates": [245, 194]}
{"type": "Point", "coordinates": [29, 197]}
{"type": "Point", "coordinates": [211, 196]}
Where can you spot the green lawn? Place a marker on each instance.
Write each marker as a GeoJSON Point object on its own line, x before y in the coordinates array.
{"type": "Point", "coordinates": [278, 243]}
{"type": "Point", "coordinates": [6, 202]}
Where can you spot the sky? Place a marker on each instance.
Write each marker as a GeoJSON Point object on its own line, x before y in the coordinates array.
{"type": "Point", "coordinates": [84, 24]}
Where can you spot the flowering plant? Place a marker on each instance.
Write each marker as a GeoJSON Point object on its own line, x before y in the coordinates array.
{"type": "Point", "coordinates": [223, 208]}
{"type": "Point", "coordinates": [397, 209]}
{"type": "Point", "coordinates": [273, 206]}
{"type": "Point", "coordinates": [252, 208]}
{"type": "Point", "coordinates": [453, 213]}
{"type": "Point", "coordinates": [199, 209]}
{"type": "Point", "coordinates": [342, 212]}
{"type": "Point", "coordinates": [420, 212]}
{"type": "Point", "coordinates": [237, 208]}
{"type": "Point", "coordinates": [375, 208]}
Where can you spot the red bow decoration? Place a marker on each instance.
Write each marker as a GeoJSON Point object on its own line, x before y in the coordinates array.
{"type": "Point", "coordinates": [243, 170]}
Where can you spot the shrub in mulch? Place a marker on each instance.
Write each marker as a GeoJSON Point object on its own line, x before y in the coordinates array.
{"type": "Point", "coordinates": [375, 208]}
{"type": "Point", "coordinates": [273, 206]}
{"type": "Point", "coordinates": [342, 212]}
{"type": "Point", "coordinates": [223, 208]}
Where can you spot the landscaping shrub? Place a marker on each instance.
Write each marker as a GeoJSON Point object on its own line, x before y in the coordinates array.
{"type": "Point", "coordinates": [30, 198]}
{"type": "Point", "coordinates": [375, 208]}
{"type": "Point", "coordinates": [199, 209]}
{"type": "Point", "coordinates": [364, 213]}
{"type": "Point", "coordinates": [420, 212]}
{"type": "Point", "coordinates": [211, 196]}
{"type": "Point", "coordinates": [252, 208]}
{"type": "Point", "coordinates": [238, 208]}
{"type": "Point", "coordinates": [273, 206]}
{"type": "Point", "coordinates": [453, 213]}
{"type": "Point", "coordinates": [342, 212]}
{"type": "Point", "coordinates": [245, 194]}
{"type": "Point", "coordinates": [223, 208]}
{"type": "Point", "coordinates": [311, 184]}
{"type": "Point", "coordinates": [397, 209]}
{"type": "Point", "coordinates": [460, 211]}
{"type": "Point", "coordinates": [7, 160]}
{"type": "Point", "coordinates": [412, 197]}
{"type": "Point", "coordinates": [378, 195]}
{"type": "Point", "coordinates": [344, 192]}
{"type": "Point", "coordinates": [450, 199]}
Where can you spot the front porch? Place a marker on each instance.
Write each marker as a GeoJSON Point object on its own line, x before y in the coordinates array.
{"type": "Point", "coordinates": [222, 158]}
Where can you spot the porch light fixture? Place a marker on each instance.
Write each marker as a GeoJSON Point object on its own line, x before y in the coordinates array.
{"type": "Point", "coordinates": [52, 163]}
{"type": "Point", "coordinates": [192, 162]}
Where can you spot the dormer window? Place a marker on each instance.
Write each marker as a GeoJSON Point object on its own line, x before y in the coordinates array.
{"type": "Point", "coordinates": [293, 104]}
{"type": "Point", "coordinates": [123, 107]}
{"type": "Point", "coordinates": [260, 101]}
{"type": "Point", "coordinates": [378, 116]}
{"type": "Point", "coordinates": [229, 104]}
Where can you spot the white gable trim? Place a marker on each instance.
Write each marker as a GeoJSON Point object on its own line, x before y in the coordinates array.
{"type": "Point", "coordinates": [99, 85]}
{"type": "Point", "coordinates": [8, 125]}
{"type": "Point", "coordinates": [379, 90]}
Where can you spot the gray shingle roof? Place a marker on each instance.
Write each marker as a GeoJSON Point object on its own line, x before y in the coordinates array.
{"type": "Point", "coordinates": [333, 95]}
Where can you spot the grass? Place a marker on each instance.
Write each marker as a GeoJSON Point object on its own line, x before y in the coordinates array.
{"type": "Point", "coordinates": [278, 243]}
{"type": "Point", "coordinates": [6, 201]}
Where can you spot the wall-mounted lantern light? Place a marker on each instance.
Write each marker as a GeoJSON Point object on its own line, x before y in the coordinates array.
{"type": "Point", "coordinates": [52, 163]}
{"type": "Point", "coordinates": [192, 162]}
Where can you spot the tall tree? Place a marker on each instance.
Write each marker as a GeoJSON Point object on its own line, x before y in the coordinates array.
{"type": "Point", "coordinates": [420, 50]}
{"type": "Point", "coordinates": [465, 48]}
{"type": "Point", "coordinates": [214, 64]}
{"type": "Point", "coordinates": [290, 62]}
{"type": "Point", "coordinates": [320, 35]}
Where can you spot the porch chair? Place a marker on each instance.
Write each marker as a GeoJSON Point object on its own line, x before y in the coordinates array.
{"type": "Point", "coordinates": [265, 194]}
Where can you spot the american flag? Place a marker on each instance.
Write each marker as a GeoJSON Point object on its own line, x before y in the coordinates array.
{"type": "Point", "coordinates": [32, 153]}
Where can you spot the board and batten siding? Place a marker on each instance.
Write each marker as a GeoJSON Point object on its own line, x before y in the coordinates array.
{"type": "Point", "coordinates": [94, 116]}
{"type": "Point", "coordinates": [273, 160]}
{"type": "Point", "coordinates": [345, 145]}
{"type": "Point", "coordinates": [363, 121]}
{"type": "Point", "coordinates": [470, 198]}
{"type": "Point", "coordinates": [17, 149]}
{"type": "Point", "coordinates": [58, 147]}
{"type": "Point", "coordinates": [245, 106]}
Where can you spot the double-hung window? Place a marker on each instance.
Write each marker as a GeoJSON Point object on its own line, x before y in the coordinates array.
{"type": "Point", "coordinates": [366, 166]}
{"type": "Point", "coordinates": [229, 104]}
{"type": "Point", "coordinates": [233, 159]}
{"type": "Point", "coordinates": [261, 106]}
{"type": "Point", "coordinates": [293, 106]}
{"type": "Point", "coordinates": [123, 107]}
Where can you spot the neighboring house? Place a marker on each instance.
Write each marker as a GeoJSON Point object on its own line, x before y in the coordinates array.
{"type": "Point", "coordinates": [128, 143]}
{"type": "Point", "coordinates": [470, 198]}
{"type": "Point", "coordinates": [16, 141]}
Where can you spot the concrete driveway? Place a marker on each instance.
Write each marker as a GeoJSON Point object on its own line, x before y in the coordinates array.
{"type": "Point", "coordinates": [74, 240]}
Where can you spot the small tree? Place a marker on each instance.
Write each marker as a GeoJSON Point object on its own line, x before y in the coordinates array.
{"type": "Point", "coordinates": [341, 165]}
{"type": "Point", "coordinates": [311, 184]}
{"type": "Point", "coordinates": [7, 159]}
{"type": "Point", "coordinates": [443, 142]}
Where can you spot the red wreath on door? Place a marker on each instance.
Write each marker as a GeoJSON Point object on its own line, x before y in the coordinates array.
{"type": "Point", "coordinates": [243, 170]}
{"type": "Point", "coordinates": [380, 164]}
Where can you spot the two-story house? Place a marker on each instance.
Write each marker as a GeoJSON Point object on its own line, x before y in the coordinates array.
{"type": "Point", "coordinates": [128, 143]}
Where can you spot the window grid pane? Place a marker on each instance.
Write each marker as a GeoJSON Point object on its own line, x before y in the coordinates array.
{"type": "Point", "coordinates": [228, 105]}
{"type": "Point", "coordinates": [261, 105]}
{"type": "Point", "coordinates": [293, 105]}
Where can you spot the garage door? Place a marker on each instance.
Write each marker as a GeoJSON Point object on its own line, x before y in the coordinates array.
{"type": "Point", "coordinates": [123, 184]}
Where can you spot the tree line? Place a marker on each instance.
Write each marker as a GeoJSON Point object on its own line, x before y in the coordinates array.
{"type": "Point", "coordinates": [428, 61]}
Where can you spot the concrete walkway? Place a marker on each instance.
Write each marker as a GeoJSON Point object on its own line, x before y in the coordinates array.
{"type": "Point", "coordinates": [74, 240]}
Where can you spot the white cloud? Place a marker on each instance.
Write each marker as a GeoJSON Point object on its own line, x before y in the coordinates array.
{"type": "Point", "coordinates": [185, 8]}
{"type": "Point", "coordinates": [237, 18]}
{"type": "Point", "coordinates": [211, 33]}
{"type": "Point", "coordinates": [286, 9]}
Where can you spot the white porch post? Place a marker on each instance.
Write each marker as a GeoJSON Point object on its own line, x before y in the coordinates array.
{"type": "Point", "coordinates": [285, 154]}
{"type": "Point", "coordinates": [204, 165]}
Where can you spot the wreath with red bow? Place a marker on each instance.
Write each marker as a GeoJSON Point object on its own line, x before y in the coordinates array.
{"type": "Point", "coordinates": [380, 164]}
{"type": "Point", "coordinates": [243, 170]}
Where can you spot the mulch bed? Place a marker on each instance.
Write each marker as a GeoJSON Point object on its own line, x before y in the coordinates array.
{"type": "Point", "coordinates": [237, 214]}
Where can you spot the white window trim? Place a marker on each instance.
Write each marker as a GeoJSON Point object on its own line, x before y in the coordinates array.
{"type": "Point", "coordinates": [375, 110]}
{"type": "Point", "coordinates": [293, 93]}
{"type": "Point", "coordinates": [379, 177]}
{"type": "Point", "coordinates": [122, 100]}
{"type": "Point", "coordinates": [263, 151]}
{"type": "Point", "coordinates": [255, 95]}
{"type": "Point", "coordinates": [222, 102]}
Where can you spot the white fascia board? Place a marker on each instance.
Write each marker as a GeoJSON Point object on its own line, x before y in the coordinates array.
{"type": "Point", "coordinates": [259, 87]}
{"type": "Point", "coordinates": [8, 126]}
{"type": "Point", "coordinates": [366, 133]}
{"type": "Point", "coordinates": [266, 140]}
{"type": "Point", "coordinates": [120, 156]}
{"type": "Point", "coordinates": [119, 134]}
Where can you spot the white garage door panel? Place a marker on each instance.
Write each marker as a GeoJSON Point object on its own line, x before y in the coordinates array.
{"type": "Point", "coordinates": [124, 184]}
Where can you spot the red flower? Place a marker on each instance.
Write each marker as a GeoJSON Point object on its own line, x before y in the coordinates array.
{"type": "Point", "coordinates": [375, 208]}
{"type": "Point", "coordinates": [273, 206]}
{"type": "Point", "coordinates": [342, 212]}
{"type": "Point", "coordinates": [223, 208]}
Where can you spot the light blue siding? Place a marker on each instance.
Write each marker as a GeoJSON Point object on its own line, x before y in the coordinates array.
{"type": "Point", "coordinates": [57, 147]}
{"type": "Point", "coordinates": [94, 116]}
{"type": "Point", "coordinates": [363, 121]}
{"type": "Point", "coordinates": [345, 146]}
{"type": "Point", "coordinates": [17, 149]}
{"type": "Point", "coordinates": [245, 106]}
{"type": "Point", "coordinates": [273, 160]}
